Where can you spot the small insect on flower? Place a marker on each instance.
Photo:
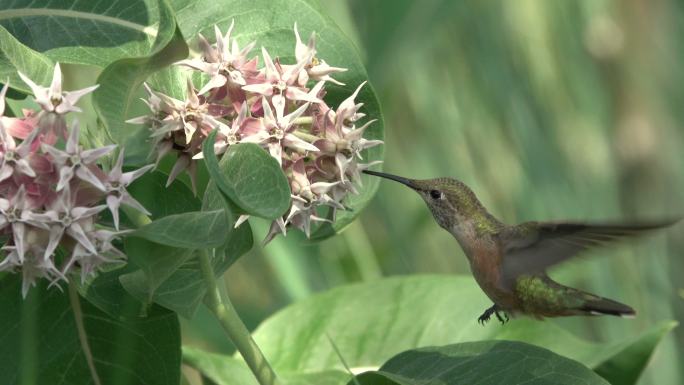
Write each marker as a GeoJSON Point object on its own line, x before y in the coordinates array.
{"type": "Point", "coordinates": [51, 197]}
{"type": "Point", "coordinates": [280, 107]}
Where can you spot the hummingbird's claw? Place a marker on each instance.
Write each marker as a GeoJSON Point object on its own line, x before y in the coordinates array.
{"type": "Point", "coordinates": [501, 319]}
{"type": "Point", "coordinates": [484, 318]}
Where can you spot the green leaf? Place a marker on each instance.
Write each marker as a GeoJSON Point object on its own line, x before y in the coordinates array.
{"type": "Point", "coordinates": [85, 32]}
{"type": "Point", "coordinates": [156, 264]}
{"type": "Point", "coordinates": [184, 289]}
{"type": "Point", "coordinates": [485, 362]}
{"type": "Point", "coordinates": [631, 358]}
{"type": "Point", "coordinates": [119, 83]}
{"type": "Point", "coordinates": [374, 321]}
{"type": "Point", "coordinates": [15, 56]}
{"type": "Point", "coordinates": [225, 370]}
{"type": "Point", "coordinates": [191, 230]}
{"type": "Point", "coordinates": [250, 177]}
{"type": "Point", "coordinates": [270, 22]}
{"type": "Point", "coordinates": [171, 276]}
{"type": "Point", "coordinates": [151, 191]}
{"type": "Point", "coordinates": [107, 294]}
{"type": "Point", "coordinates": [41, 341]}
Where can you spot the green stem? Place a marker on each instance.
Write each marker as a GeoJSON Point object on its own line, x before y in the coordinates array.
{"type": "Point", "coordinates": [82, 336]}
{"type": "Point", "coordinates": [233, 326]}
{"type": "Point", "coordinates": [303, 120]}
{"type": "Point", "coordinates": [305, 136]}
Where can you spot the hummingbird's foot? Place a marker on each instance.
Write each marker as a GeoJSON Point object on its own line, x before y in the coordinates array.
{"type": "Point", "coordinates": [484, 318]}
{"type": "Point", "coordinates": [501, 319]}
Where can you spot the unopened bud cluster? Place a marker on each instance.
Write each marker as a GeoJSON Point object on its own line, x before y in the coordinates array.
{"type": "Point", "coordinates": [51, 196]}
{"type": "Point", "coordinates": [280, 107]}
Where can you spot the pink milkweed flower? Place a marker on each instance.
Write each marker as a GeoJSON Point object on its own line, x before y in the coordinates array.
{"type": "Point", "coordinates": [191, 115]}
{"type": "Point", "coordinates": [302, 187]}
{"type": "Point", "coordinates": [115, 187]}
{"type": "Point", "coordinates": [280, 82]}
{"type": "Point", "coordinates": [54, 102]}
{"type": "Point", "coordinates": [225, 62]}
{"type": "Point", "coordinates": [66, 217]}
{"type": "Point", "coordinates": [243, 129]}
{"type": "Point", "coordinates": [76, 161]}
{"type": "Point", "coordinates": [106, 253]}
{"type": "Point", "coordinates": [277, 132]}
{"type": "Point", "coordinates": [314, 68]}
{"type": "Point", "coordinates": [33, 266]}
{"type": "Point", "coordinates": [15, 159]}
{"type": "Point", "coordinates": [53, 99]}
{"type": "Point", "coordinates": [17, 213]}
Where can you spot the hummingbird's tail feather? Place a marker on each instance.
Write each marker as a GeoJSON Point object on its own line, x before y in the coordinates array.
{"type": "Point", "coordinates": [604, 306]}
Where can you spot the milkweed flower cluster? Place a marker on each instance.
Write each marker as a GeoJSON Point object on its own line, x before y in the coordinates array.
{"type": "Point", "coordinates": [51, 196]}
{"type": "Point", "coordinates": [280, 107]}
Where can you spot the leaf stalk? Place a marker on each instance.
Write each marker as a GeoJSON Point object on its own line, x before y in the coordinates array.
{"type": "Point", "coordinates": [236, 330]}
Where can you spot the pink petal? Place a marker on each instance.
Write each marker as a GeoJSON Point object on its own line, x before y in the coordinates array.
{"type": "Point", "coordinates": [265, 89]}
{"type": "Point", "coordinates": [130, 176]}
{"type": "Point", "coordinates": [128, 200]}
{"type": "Point", "coordinates": [6, 171]}
{"type": "Point", "coordinates": [65, 175]}
{"type": "Point", "coordinates": [84, 173]}
{"type": "Point", "coordinates": [181, 164]}
{"type": "Point", "coordinates": [19, 231]}
{"type": "Point", "coordinates": [216, 81]}
{"type": "Point", "coordinates": [23, 166]}
{"type": "Point", "coordinates": [294, 93]}
{"type": "Point", "coordinates": [56, 233]}
{"type": "Point", "coordinates": [76, 232]}
{"type": "Point", "coordinates": [90, 156]}
{"type": "Point", "coordinates": [71, 98]}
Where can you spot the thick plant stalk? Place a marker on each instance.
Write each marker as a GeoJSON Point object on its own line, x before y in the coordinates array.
{"type": "Point", "coordinates": [82, 337]}
{"type": "Point", "coordinates": [237, 331]}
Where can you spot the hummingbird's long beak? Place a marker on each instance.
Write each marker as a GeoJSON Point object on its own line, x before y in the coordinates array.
{"type": "Point", "coordinates": [405, 181]}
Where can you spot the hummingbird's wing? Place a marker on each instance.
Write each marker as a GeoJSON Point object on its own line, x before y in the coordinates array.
{"type": "Point", "coordinates": [533, 247]}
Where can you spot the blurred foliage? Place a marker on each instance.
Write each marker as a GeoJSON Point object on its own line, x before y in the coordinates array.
{"type": "Point", "coordinates": [548, 110]}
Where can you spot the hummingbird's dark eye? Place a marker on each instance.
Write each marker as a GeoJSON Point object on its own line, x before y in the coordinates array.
{"type": "Point", "coordinates": [435, 194]}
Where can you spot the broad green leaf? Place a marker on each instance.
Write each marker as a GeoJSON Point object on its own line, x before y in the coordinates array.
{"type": "Point", "coordinates": [107, 294]}
{"type": "Point", "coordinates": [184, 290]}
{"type": "Point", "coordinates": [41, 341]}
{"type": "Point", "coordinates": [85, 32]}
{"type": "Point", "coordinates": [169, 276]}
{"type": "Point", "coordinates": [151, 191]}
{"type": "Point", "coordinates": [625, 366]}
{"type": "Point", "coordinates": [250, 177]}
{"type": "Point", "coordinates": [16, 57]}
{"type": "Point", "coordinates": [483, 363]}
{"type": "Point", "coordinates": [226, 370]}
{"type": "Point", "coordinates": [156, 264]}
{"type": "Point", "coordinates": [120, 81]}
{"type": "Point", "coordinates": [270, 23]}
{"type": "Point", "coordinates": [190, 230]}
{"type": "Point", "coordinates": [374, 321]}
{"type": "Point", "coordinates": [149, 264]}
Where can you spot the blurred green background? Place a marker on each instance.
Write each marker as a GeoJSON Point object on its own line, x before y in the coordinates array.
{"type": "Point", "coordinates": [548, 110]}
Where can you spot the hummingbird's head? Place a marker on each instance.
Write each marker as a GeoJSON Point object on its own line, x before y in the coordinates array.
{"type": "Point", "coordinates": [450, 200]}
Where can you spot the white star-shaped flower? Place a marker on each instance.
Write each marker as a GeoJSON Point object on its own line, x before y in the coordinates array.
{"type": "Point", "coordinates": [76, 161]}
{"type": "Point", "coordinates": [53, 99]}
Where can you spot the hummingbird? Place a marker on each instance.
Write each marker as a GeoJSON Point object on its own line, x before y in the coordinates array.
{"type": "Point", "coordinates": [509, 262]}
